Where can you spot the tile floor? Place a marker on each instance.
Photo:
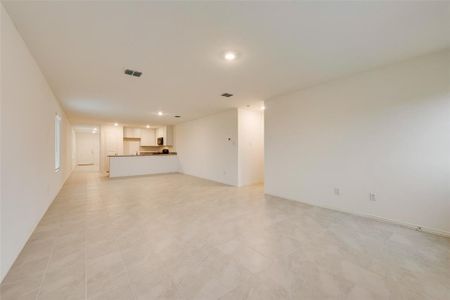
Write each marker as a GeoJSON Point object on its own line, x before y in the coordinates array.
{"type": "Point", "coordinates": [180, 237]}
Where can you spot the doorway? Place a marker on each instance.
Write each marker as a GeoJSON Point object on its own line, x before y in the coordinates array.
{"type": "Point", "coordinates": [87, 140]}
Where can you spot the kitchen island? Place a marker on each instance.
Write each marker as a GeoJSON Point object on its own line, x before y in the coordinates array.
{"type": "Point", "coordinates": [134, 165]}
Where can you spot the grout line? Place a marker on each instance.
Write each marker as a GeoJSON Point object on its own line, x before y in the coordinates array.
{"type": "Point", "coordinates": [123, 263]}
{"type": "Point", "coordinates": [85, 250]}
{"type": "Point", "coordinates": [128, 275]}
{"type": "Point", "coordinates": [46, 270]}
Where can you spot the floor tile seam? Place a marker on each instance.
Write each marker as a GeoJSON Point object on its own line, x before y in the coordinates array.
{"type": "Point", "coordinates": [44, 276]}
{"type": "Point", "coordinates": [127, 273]}
{"type": "Point", "coordinates": [85, 265]}
{"type": "Point", "coordinates": [124, 265]}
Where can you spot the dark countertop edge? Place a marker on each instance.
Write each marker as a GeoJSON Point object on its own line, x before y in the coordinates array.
{"type": "Point", "coordinates": [134, 155]}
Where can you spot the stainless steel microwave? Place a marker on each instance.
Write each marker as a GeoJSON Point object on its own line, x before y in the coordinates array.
{"type": "Point", "coordinates": [160, 141]}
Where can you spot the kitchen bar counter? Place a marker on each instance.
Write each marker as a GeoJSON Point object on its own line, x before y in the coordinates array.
{"type": "Point", "coordinates": [133, 165]}
{"type": "Point", "coordinates": [143, 154]}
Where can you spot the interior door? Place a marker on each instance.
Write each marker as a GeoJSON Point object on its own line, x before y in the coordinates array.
{"type": "Point", "coordinates": [87, 148]}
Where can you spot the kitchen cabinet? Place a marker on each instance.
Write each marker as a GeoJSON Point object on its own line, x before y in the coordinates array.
{"type": "Point", "coordinates": [160, 132]}
{"type": "Point", "coordinates": [112, 144]}
{"type": "Point", "coordinates": [133, 133]}
{"type": "Point", "coordinates": [168, 140]}
{"type": "Point", "coordinates": [166, 132]}
{"type": "Point", "coordinates": [148, 137]}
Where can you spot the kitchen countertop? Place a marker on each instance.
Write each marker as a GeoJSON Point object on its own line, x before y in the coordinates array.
{"type": "Point", "coordinates": [140, 155]}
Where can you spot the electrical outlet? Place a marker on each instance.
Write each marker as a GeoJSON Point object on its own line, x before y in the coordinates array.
{"type": "Point", "coordinates": [337, 191]}
{"type": "Point", "coordinates": [372, 197]}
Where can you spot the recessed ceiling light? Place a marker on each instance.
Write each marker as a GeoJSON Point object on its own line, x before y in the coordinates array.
{"type": "Point", "coordinates": [263, 107]}
{"type": "Point", "coordinates": [227, 95]}
{"type": "Point", "coordinates": [230, 55]}
{"type": "Point", "coordinates": [147, 126]}
{"type": "Point", "coordinates": [116, 124]}
{"type": "Point", "coordinates": [160, 113]}
{"type": "Point", "coordinates": [177, 116]}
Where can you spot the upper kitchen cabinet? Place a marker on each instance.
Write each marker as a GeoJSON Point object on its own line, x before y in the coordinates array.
{"type": "Point", "coordinates": [133, 133]}
{"type": "Point", "coordinates": [111, 143]}
{"type": "Point", "coordinates": [166, 132]}
{"type": "Point", "coordinates": [148, 137]}
{"type": "Point", "coordinates": [168, 141]}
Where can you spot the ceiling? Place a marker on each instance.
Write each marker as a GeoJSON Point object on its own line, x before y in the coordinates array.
{"type": "Point", "coordinates": [84, 47]}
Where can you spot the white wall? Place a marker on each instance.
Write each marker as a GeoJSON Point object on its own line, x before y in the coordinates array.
{"type": "Point", "coordinates": [204, 149]}
{"type": "Point", "coordinates": [2, 16]}
{"type": "Point", "coordinates": [29, 182]}
{"type": "Point", "coordinates": [251, 147]}
{"type": "Point", "coordinates": [74, 149]}
{"type": "Point", "coordinates": [386, 131]}
{"type": "Point", "coordinates": [88, 148]}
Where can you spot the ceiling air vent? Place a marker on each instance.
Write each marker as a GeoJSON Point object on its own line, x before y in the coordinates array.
{"type": "Point", "coordinates": [133, 73]}
{"type": "Point", "coordinates": [228, 95]}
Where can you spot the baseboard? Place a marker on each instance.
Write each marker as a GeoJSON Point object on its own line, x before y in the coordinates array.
{"type": "Point", "coordinates": [415, 227]}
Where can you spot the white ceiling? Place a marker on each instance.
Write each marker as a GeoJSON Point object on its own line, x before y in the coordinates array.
{"type": "Point", "coordinates": [83, 48]}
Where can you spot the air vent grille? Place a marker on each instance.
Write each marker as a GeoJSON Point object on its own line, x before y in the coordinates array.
{"type": "Point", "coordinates": [133, 73]}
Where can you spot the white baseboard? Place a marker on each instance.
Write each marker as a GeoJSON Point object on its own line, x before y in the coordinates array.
{"type": "Point", "coordinates": [415, 227]}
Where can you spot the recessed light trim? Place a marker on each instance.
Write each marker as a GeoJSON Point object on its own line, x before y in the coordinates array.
{"type": "Point", "coordinates": [227, 95]}
{"type": "Point", "coordinates": [177, 116]}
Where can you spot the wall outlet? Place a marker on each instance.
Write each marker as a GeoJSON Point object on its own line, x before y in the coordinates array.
{"type": "Point", "coordinates": [372, 197]}
{"type": "Point", "coordinates": [337, 191]}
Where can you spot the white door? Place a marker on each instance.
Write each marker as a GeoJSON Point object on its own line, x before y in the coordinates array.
{"type": "Point", "coordinates": [87, 148]}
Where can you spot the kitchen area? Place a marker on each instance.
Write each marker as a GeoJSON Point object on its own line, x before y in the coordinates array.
{"type": "Point", "coordinates": [137, 150]}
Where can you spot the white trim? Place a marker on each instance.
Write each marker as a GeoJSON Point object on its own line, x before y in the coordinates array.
{"type": "Point", "coordinates": [415, 227]}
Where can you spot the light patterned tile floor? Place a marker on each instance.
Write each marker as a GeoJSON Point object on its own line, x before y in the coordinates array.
{"type": "Point", "coordinates": [180, 237]}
